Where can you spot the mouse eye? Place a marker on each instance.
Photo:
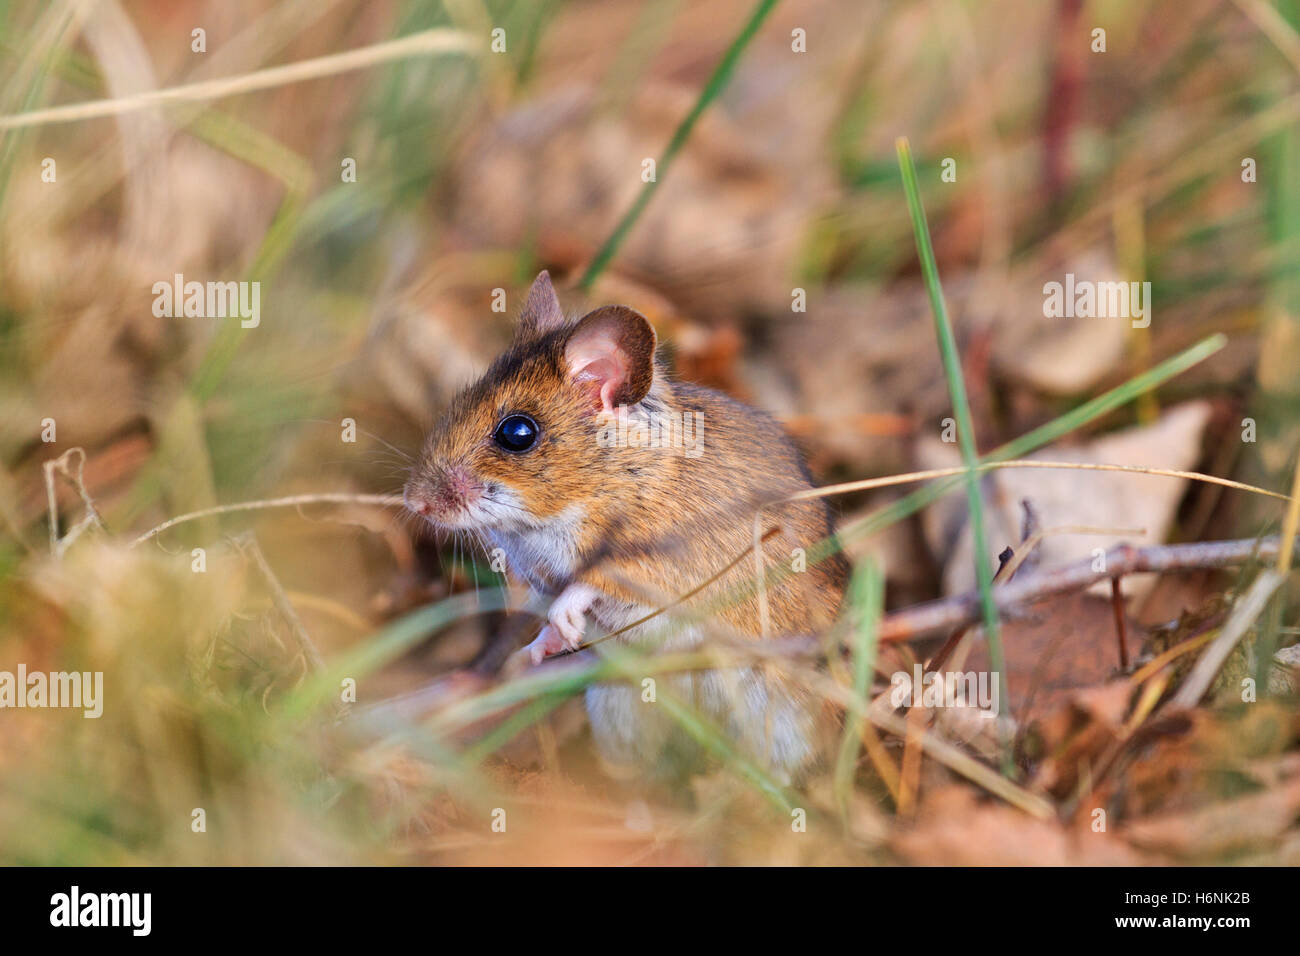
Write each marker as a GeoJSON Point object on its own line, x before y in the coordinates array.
{"type": "Point", "coordinates": [516, 433]}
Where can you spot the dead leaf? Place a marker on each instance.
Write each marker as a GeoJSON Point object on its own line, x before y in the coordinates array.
{"type": "Point", "coordinates": [955, 829]}
{"type": "Point", "coordinates": [1059, 355]}
{"type": "Point", "coordinates": [1221, 828]}
{"type": "Point", "coordinates": [1072, 498]}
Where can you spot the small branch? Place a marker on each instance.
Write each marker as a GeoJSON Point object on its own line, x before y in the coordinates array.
{"type": "Point", "coordinates": [1005, 560]}
{"type": "Point", "coordinates": [925, 620]}
{"type": "Point", "coordinates": [1121, 628]}
{"type": "Point", "coordinates": [71, 465]}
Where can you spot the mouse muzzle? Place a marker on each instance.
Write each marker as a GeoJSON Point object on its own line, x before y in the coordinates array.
{"type": "Point", "coordinates": [442, 494]}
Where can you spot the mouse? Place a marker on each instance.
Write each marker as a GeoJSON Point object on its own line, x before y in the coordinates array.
{"type": "Point", "coordinates": [612, 490]}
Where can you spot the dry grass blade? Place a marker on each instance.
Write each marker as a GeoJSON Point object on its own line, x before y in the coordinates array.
{"type": "Point", "coordinates": [1290, 525]}
{"type": "Point", "coordinates": [934, 473]}
{"type": "Point", "coordinates": [292, 501]}
{"type": "Point", "coordinates": [1243, 616]}
{"type": "Point", "coordinates": [951, 756]}
{"type": "Point", "coordinates": [417, 44]}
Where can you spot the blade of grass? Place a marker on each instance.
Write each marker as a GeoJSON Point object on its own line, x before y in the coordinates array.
{"type": "Point", "coordinates": [1038, 437]}
{"type": "Point", "coordinates": [26, 87]}
{"type": "Point", "coordinates": [1267, 641]}
{"type": "Point", "coordinates": [420, 44]}
{"type": "Point", "coordinates": [648, 33]}
{"type": "Point", "coordinates": [1290, 525]}
{"type": "Point", "coordinates": [1278, 394]}
{"type": "Point", "coordinates": [868, 590]}
{"type": "Point", "coordinates": [1247, 609]}
{"type": "Point", "coordinates": [510, 728]}
{"type": "Point", "coordinates": [387, 645]}
{"type": "Point", "coordinates": [716, 742]}
{"type": "Point", "coordinates": [721, 75]}
{"type": "Point", "coordinates": [961, 409]}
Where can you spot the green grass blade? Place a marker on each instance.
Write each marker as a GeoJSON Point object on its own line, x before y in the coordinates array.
{"type": "Point", "coordinates": [721, 74]}
{"type": "Point", "coordinates": [712, 739]}
{"type": "Point", "coordinates": [961, 410]}
{"type": "Point", "coordinates": [511, 728]}
{"type": "Point", "coordinates": [1043, 435]}
{"type": "Point", "coordinates": [868, 595]}
{"type": "Point", "coordinates": [392, 641]}
{"type": "Point", "coordinates": [1107, 402]}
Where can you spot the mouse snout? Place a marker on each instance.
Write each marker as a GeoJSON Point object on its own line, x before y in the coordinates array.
{"type": "Point", "coordinates": [441, 494]}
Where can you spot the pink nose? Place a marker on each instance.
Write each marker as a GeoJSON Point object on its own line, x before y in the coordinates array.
{"type": "Point", "coordinates": [418, 500]}
{"type": "Point", "coordinates": [442, 495]}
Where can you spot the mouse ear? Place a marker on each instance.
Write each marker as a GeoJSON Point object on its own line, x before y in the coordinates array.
{"type": "Point", "coordinates": [611, 351]}
{"type": "Point", "coordinates": [541, 312]}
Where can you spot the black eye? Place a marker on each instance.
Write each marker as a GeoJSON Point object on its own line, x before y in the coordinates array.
{"type": "Point", "coordinates": [516, 433]}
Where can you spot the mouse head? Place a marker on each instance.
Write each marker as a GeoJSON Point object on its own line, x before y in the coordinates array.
{"type": "Point", "coordinates": [519, 446]}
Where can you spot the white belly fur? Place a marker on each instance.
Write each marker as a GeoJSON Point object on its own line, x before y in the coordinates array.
{"type": "Point", "coordinates": [756, 712]}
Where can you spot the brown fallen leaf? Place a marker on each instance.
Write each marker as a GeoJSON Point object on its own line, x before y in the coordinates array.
{"type": "Point", "coordinates": [1202, 755]}
{"type": "Point", "coordinates": [1057, 649]}
{"type": "Point", "coordinates": [1066, 498]}
{"type": "Point", "coordinates": [954, 828]}
{"type": "Point", "coordinates": [1062, 355]}
{"type": "Point", "coordinates": [1074, 737]}
{"type": "Point", "coordinates": [1219, 829]}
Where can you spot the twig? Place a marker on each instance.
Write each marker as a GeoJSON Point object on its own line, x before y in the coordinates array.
{"type": "Point", "coordinates": [1013, 561]}
{"type": "Point", "coordinates": [1031, 541]}
{"type": "Point", "coordinates": [1121, 628]}
{"type": "Point", "coordinates": [1006, 561]}
{"type": "Point", "coordinates": [293, 501]}
{"type": "Point", "coordinates": [924, 620]}
{"type": "Point", "coordinates": [74, 475]}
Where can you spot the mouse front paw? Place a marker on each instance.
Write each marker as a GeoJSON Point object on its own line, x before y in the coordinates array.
{"type": "Point", "coordinates": [568, 613]}
{"type": "Point", "coordinates": [546, 644]}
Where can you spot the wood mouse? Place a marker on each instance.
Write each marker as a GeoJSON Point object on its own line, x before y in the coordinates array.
{"type": "Point", "coordinates": [614, 490]}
